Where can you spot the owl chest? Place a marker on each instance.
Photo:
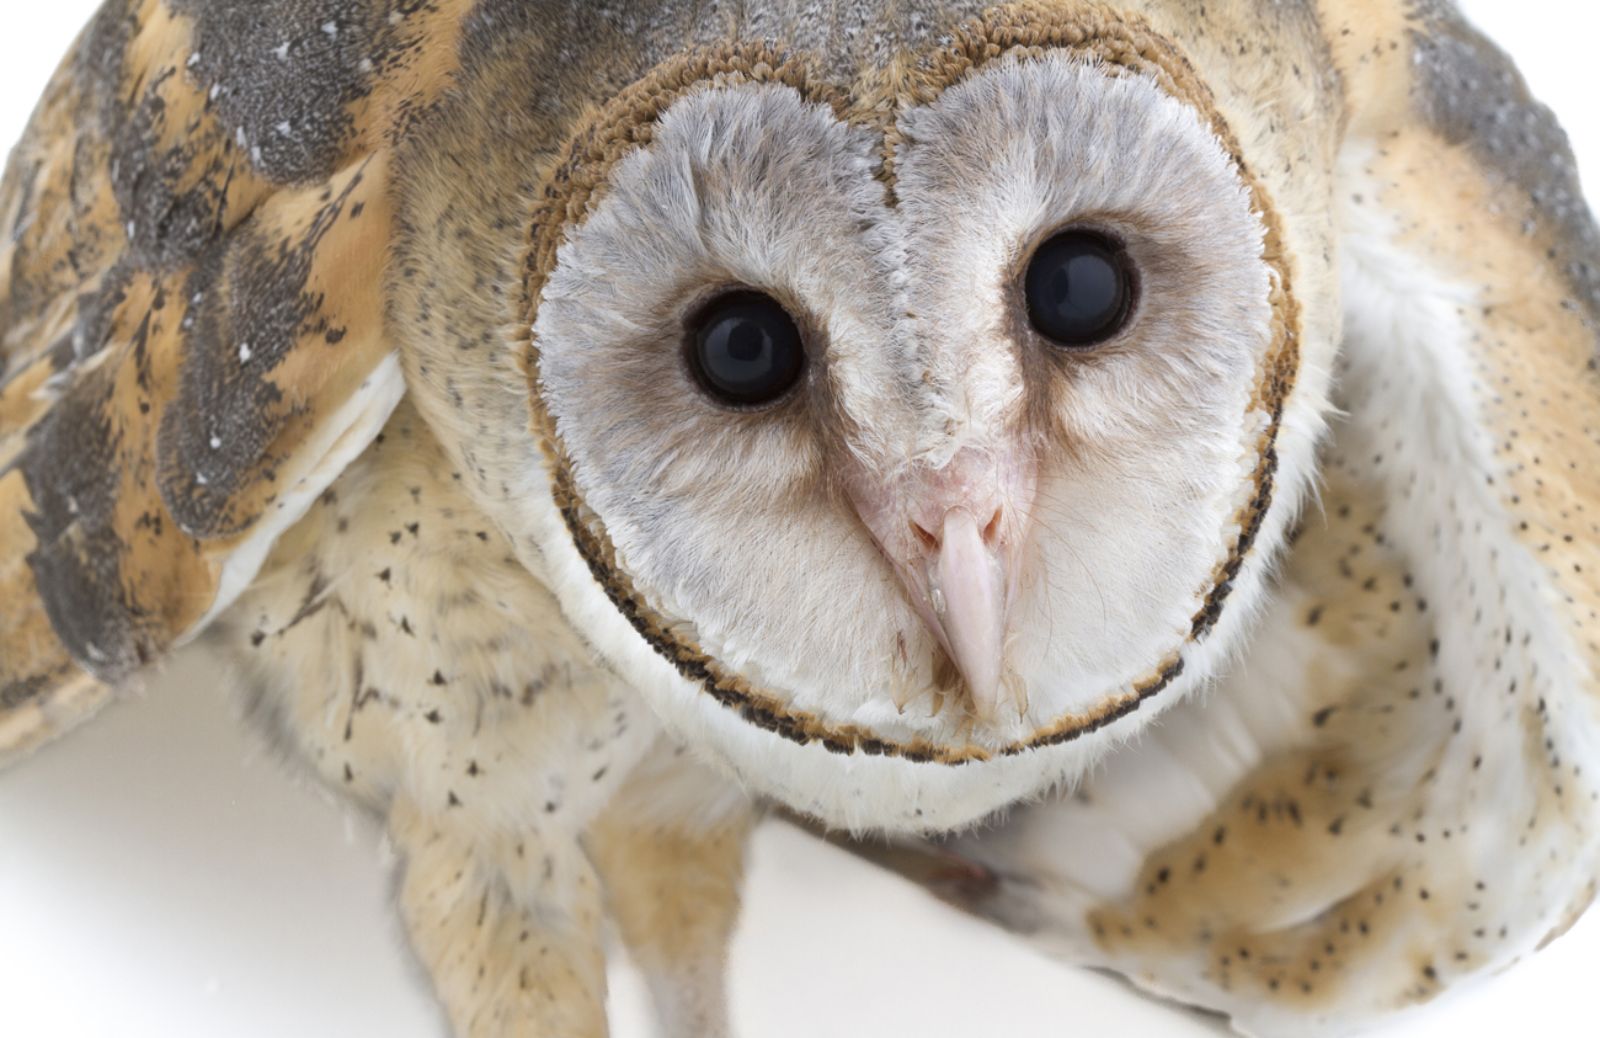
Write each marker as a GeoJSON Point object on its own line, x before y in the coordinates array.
{"type": "Point", "coordinates": [396, 645]}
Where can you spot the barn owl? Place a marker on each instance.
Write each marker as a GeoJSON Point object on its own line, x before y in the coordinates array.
{"type": "Point", "coordinates": [1131, 464]}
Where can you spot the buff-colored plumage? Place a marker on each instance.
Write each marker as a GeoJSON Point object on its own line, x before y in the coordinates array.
{"type": "Point", "coordinates": [345, 333]}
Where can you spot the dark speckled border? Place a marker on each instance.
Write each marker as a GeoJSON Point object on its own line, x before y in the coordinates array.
{"type": "Point", "coordinates": [627, 122]}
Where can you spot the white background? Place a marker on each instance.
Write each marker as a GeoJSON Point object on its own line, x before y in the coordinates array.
{"type": "Point", "coordinates": [161, 874]}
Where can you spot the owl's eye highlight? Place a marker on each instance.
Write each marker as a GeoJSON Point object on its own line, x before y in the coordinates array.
{"type": "Point", "coordinates": [1079, 289]}
{"type": "Point", "coordinates": [745, 349]}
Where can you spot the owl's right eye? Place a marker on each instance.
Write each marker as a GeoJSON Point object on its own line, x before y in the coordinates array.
{"type": "Point", "coordinates": [745, 350]}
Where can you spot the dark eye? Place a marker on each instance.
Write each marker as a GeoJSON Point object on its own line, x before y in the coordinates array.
{"type": "Point", "coordinates": [745, 349]}
{"type": "Point", "coordinates": [1079, 289]}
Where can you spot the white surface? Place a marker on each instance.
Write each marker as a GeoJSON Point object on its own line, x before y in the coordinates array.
{"type": "Point", "coordinates": [160, 874]}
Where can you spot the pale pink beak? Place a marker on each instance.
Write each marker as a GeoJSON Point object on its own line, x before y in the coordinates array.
{"type": "Point", "coordinates": [954, 536]}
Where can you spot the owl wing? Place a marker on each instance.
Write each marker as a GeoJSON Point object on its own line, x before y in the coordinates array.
{"type": "Point", "coordinates": [1396, 790]}
{"type": "Point", "coordinates": [191, 318]}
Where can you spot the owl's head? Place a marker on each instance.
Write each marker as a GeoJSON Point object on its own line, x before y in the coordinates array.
{"type": "Point", "coordinates": [912, 440]}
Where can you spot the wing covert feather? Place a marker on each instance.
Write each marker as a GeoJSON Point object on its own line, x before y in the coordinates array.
{"type": "Point", "coordinates": [191, 315]}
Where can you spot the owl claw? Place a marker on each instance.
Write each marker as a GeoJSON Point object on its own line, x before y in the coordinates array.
{"type": "Point", "coordinates": [1016, 690]}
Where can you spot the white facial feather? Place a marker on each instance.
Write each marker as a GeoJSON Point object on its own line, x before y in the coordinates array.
{"type": "Point", "coordinates": [732, 525]}
{"type": "Point", "coordinates": [1152, 432]}
{"type": "Point", "coordinates": [724, 517]}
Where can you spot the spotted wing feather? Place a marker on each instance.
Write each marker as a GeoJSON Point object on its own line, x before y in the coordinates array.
{"type": "Point", "coordinates": [191, 316]}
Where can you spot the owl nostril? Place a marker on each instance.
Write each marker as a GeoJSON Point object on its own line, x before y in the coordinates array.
{"type": "Point", "coordinates": [933, 541]}
{"type": "Point", "coordinates": [991, 529]}
{"type": "Point", "coordinates": [929, 540]}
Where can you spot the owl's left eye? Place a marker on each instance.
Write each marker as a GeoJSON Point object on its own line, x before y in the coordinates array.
{"type": "Point", "coordinates": [745, 350]}
{"type": "Point", "coordinates": [1079, 289]}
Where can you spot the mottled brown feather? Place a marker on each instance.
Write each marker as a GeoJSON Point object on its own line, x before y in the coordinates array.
{"type": "Point", "coordinates": [198, 221]}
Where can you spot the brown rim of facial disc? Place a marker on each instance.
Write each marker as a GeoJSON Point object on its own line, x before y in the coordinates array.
{"type": "Point", "coordinates": [1121, 44]}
